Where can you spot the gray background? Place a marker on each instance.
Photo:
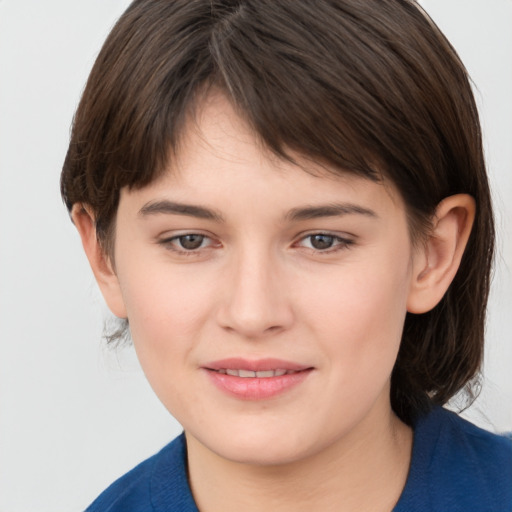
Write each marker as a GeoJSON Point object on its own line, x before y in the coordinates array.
{"type": "Point", "coordinates": [73, 414]}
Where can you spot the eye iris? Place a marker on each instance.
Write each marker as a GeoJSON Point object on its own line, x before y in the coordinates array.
{"type": "Point", "coordinates": [191, 242]}
{"type": "Point", "coordinates": [322, 241]}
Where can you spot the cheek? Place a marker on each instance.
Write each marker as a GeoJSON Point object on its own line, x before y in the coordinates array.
{"type": "Point", "coordinates": [166, 310]}
{"type": "Point", "coordinates": [166, 318]}
{"type": "Point", "coordinates": [362, 318]}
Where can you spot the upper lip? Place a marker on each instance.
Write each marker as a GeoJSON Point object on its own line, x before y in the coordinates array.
{"type": "Point", "coordinates": [255, 365]}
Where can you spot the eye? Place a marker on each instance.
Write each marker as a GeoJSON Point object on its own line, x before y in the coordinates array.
{"type": "Point", "coordinates": [324, 242]}
{"type": "Point", "coordinates": [321, 241]}
{"type": "Point", "coordinates": [187, 243]}
{"type": "Point", "coordinates": [190, 242]}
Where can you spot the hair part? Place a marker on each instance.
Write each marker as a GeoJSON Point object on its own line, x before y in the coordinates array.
{"type": "Point", "coordinates": [370, 87]}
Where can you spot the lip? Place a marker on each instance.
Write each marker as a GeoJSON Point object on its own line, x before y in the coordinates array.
{"type": "Point", "coordinates": [256, 365]}
{"type": "Point", "coordinates": [256, 388]}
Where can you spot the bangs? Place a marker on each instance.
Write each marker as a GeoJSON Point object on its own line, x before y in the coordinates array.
{"type": "Point", "coordinates": [326, 90]}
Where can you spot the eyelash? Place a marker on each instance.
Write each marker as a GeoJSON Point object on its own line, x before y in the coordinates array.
{"type": "Point", "coordinates": [339, 243]}
{"type": "Point", "coordinates": [171, 244]}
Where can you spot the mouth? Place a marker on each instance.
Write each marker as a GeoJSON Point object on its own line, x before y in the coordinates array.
{"type": "Point", "coordinates": [262, 374]}
{"type": "Point", "coordinates": [256, 380]}
{"type": "Point", "coordinates": [241, 367]}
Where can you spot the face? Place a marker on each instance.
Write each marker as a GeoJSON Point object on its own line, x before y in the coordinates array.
{"type": "Point", "coordinates": [265, 302]}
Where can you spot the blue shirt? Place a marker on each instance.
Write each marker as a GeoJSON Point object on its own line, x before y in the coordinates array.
{"type": "Point", "coordinates": [455, 467]}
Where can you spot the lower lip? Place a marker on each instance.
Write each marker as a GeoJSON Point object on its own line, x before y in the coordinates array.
{"type": "Point", "coordinates": [257, 388]}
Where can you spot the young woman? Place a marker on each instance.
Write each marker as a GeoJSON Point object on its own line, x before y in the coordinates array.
{"type": "Point", "coordinates": [286, 202]}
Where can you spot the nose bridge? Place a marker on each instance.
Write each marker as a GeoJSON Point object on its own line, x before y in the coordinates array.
{"type": "Point", "coordinates": [256, 302]}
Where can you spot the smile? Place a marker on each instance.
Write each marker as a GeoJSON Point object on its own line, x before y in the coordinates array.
{"type": "Point", "coordinates": [256, 380]}
{"type": "Point", "coordinates": [262, 374]}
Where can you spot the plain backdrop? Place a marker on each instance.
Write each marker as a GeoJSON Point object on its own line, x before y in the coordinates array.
{"type": "Point", "coordinates": [73, 414]}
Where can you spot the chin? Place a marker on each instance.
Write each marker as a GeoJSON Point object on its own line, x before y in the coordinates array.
{"type": "Point", "coordinates": [261, 446]}
{"type": "Point", "coordinates": [270, 453]}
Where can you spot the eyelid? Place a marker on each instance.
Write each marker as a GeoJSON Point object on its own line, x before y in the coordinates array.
{"type": "Point", "coordinates": [344, 240]}
{"type": "Point", "coordinates": [176, 233]}
{"type": "Point", "coordinates": [169, 241]}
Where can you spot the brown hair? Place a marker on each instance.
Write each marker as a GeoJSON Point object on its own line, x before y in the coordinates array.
{"type": "Point", "coordinates": [364, 86]}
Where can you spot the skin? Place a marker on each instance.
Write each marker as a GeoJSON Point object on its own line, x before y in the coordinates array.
{"type": "Point", "coordinates": [258, 286]}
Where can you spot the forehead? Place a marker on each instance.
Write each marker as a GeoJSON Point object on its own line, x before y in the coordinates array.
{"type": "Point", "coordinates": [220, 159]}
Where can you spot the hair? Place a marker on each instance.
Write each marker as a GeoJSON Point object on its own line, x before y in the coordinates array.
{"type": "Point", "coordinates": [370, 87]}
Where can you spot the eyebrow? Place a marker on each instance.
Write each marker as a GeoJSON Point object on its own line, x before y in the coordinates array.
{"type": "Point", "coordinates": [295, 214]}
{"type": "Point", "coordinates": [174, 208]}
{"type": "Point", "coordinates": [328, 210]}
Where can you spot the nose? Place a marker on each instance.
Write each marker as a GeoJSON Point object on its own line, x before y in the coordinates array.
{"type": "Point", "coordinates": [255, 301]}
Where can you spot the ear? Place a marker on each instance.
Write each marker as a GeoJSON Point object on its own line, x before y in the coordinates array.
{"type": "Point", "coordinates": [437, 261]}
{"type": "Point", "coordinates": [100, 262]}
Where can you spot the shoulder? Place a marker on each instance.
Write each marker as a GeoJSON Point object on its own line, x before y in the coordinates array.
{"type": "Point", "coordinates": [468, 450]}
{"type": "Point", "coordinates": [159, 483]}
{"type": "Point", "coordinates": [458, 466]}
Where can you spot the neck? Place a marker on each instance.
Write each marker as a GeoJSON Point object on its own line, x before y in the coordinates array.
{"type": "Point", "coordinates": [366, 470]}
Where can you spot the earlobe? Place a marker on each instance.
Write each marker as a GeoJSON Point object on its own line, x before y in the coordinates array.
{"type": "Point", "coordinates": [437, 261]}
{"type": "Point", "coordinates": [100, 262]}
